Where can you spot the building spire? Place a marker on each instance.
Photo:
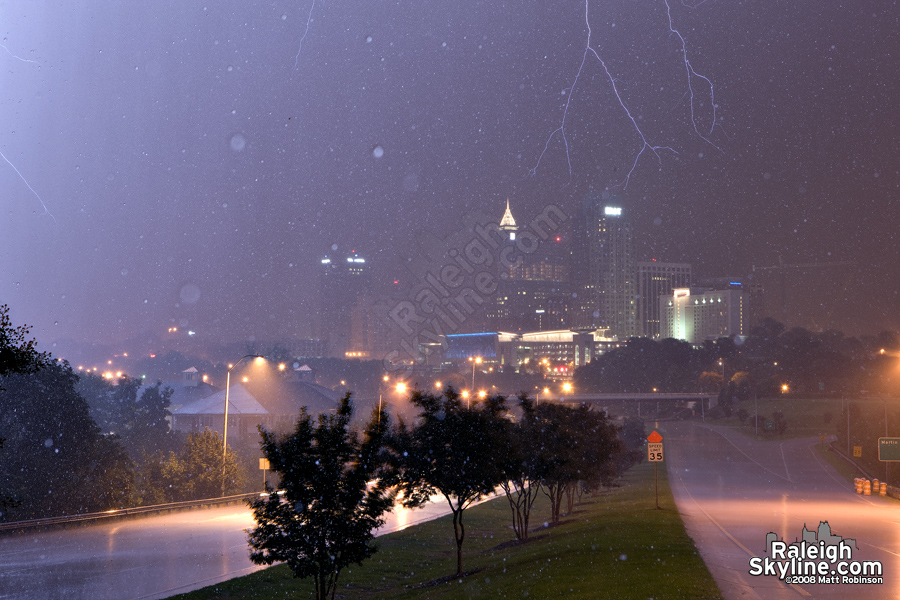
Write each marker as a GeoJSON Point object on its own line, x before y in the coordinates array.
{"type": "Point", "coordinates": [507, 223]}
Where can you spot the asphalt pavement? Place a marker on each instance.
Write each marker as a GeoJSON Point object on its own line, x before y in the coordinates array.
{"type": "Point", "coordinates": [732, 490]}
{"type": "Point", "coordinates": [144, 558]}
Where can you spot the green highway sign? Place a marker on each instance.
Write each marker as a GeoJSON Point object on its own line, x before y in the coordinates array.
{"type": "Point", "coordinates": [889, 449]}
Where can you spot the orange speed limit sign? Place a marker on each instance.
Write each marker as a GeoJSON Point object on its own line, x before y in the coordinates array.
{"type": "Point", "coordinates": [654, 451]}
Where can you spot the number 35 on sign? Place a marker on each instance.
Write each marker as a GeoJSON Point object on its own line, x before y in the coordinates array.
{"type": "Point", "coordinates": [654, 452]}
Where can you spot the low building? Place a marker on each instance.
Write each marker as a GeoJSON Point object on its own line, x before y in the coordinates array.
{"type": "Point", "coordinates": [274, 403]}
{"type": "Point", "coordinates": [698, 314]}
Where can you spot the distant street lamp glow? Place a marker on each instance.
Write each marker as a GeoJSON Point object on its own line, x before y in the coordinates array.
{"type": "Point", "coordinates": [401, 388]}
{"type": "Point", "coordinates": [567, 387]}
{"type": "Point", "coordinates": [474, 361]}
{"type": "Point", "coordinates": [225, 428]}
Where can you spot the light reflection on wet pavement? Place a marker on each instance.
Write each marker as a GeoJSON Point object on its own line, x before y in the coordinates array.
{"type": "Point", "coordinates": [732, 490]}
{"type": "Point", "coordinates": [144, 558]}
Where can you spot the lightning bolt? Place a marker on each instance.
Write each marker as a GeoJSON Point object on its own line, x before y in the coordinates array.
{"type": "Point", "coordinates": [691, 74]}
{"type": "Point", "coordinates": [308, 20]}
{"type": "Point", "coordinates": [18, 57]}
{"type": "Point", "coordinates": [646, 145]}
{"type": "Point", "coordinates": [28, 185]}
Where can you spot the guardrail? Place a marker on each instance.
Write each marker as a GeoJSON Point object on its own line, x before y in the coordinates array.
{"type": "Point", "coordinates": [88, 518]}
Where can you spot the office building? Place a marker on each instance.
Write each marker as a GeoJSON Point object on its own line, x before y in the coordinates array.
{"type": "Point", "coordinates": [604, 267]}
{"type": "Point", "coordinates": [655, 279]}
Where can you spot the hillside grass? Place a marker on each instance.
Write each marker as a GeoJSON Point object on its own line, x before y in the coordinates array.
{"type": "Point", "coordinates": [805, 417]}
{"type": "Point", "coordinates": [613, 545]}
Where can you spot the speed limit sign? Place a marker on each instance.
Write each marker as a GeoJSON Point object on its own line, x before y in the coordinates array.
{"type": "Point", "coordinates": [655, 452]}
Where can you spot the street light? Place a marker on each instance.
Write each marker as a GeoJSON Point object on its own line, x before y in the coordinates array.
{"type": "Point", "coordinates": [225, 429]}
{"type": "Point", "coordinates": [476, 360]}
{"type": "Point", "coordinates": [465, 395]}
{"type": "Point", "coordinates": [567, 387]}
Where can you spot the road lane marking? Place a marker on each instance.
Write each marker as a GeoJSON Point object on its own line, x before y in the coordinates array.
{"type": "Point", "coordinates": [762, 466]}
{"type": "Point", "coordinates": [784, 460]}
{"type": "Point", "coordinates": [733, 539]}
{"type": "Point", "coordinates": [818, 459]}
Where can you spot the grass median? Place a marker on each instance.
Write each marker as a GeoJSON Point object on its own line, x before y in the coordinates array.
{"type": "Point", "coordinates": [614, 545]}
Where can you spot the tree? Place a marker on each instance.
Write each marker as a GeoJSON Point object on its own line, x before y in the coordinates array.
{"type": "Point", "coordinates": [520, 456]}
{"type": "Point", "coordinates": [576, 445]}
{"type": "Point", "coordinates": [18, 354]}
{"type": "Point", "coordinates": [56, 461]}
{"type": "Point", "coordinates": [202, 467]}
{"type": "Point", "coordinates": [150, 430]}
{"type": "Point", "coordinates": [323, 517]}
{"type": "Point", "coordinates": [450, 451]}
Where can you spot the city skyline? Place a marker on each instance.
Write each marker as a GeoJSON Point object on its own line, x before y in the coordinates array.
{"type": "Point", "coordinates": [168, 165]}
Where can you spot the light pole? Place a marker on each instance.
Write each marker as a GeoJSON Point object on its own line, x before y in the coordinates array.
{"type": "Point", "coordinates": [476, 360]}
{"type": "Point", "coordinates": [225, 429]}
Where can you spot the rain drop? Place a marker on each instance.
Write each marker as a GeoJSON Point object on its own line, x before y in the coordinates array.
{"type": "Point", "coordinates": [190, 293]}
{"type": "Point", "coordinates": [369, 39]}
{"type": "Point", "coordinates": [238, 142]}
{"type": "Point", "coordinates": [378, 152]}
{"type": "Point", "coordinates": [48, 442]}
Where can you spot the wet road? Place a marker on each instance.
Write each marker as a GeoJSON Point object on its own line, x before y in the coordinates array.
{"type": "Point", "coordinates": [732, 491]}
{"type": "Point", "coordinates": [144, 558]}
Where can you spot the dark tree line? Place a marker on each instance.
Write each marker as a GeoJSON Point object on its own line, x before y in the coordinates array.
{"type": "Point", "coordinates": [811, 363]}
{"type": "Point", "coordinates": [75, 443]}
{"type": "Point", "coordinates": [336, 484]}
{"type": "Point", "coordinates": [55, 460]}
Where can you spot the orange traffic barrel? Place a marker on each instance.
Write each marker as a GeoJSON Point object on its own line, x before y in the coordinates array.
{"type": "Point", "coordinates": [883, 490]}
{"type": "Point", "coordinates": [858, 482]}
{"type": "Point", "coordinates": [867, 488]}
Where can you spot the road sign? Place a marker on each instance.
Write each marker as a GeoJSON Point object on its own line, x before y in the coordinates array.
{"type": "Point", "coordinates": [654, 437]}
{"type": "Point", "coordinates": [857, 451]}
{"type": "Point", "coordinates": [655, 452]}
{"type": "Point", "coordinates": [889, 449]}
{"type": "Point", "coordinates": [264, 464]}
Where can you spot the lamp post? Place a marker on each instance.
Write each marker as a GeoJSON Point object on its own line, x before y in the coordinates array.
{"type": "Point", "coordinates": [225, 429]}
{"type": "Point", "coordinates": [476, 360]}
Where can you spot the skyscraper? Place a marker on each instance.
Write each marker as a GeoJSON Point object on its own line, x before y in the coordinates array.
{"type": "Point", "coordinates": [657, 279]}
{"type": "Point", "coordinates": [344, 281]}
{"type": "Point", "coordinates": [604, 266]}
{"type": "Point", "coordinates": [533, 294]}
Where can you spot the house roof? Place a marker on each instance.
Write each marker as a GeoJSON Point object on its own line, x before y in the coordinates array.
{"type": "Point", "coordinates": [240, 402]}
{"type": "Point", "coordinates": [276, 397]}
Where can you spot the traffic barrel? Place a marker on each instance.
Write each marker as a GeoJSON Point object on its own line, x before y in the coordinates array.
{"type": "Point", "coordinates": [867, 488]}
{"type": "Point", "coordinates": [883, 490]}
{"type": "Point", "coordinates": [858, 482]}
